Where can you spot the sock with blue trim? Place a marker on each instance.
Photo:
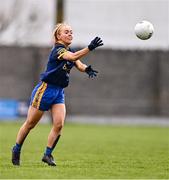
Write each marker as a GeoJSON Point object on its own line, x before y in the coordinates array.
{"type": "Point", "coordinates": [17, 147]}
{"type": "Point", "coordinates": [48, 151]}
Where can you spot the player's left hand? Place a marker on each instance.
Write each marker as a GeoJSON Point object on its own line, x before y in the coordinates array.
{"type": "Point", "coordinates": [96, 42]}
{"type": "Point", "coordinates": [91, 72]}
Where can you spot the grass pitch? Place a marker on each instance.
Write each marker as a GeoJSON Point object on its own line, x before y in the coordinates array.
{"type": "Point", "coordinates": [89, 151]}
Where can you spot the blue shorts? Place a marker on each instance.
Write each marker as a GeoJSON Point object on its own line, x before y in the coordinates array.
{"type": "Point", "coordinates": [45, 95]}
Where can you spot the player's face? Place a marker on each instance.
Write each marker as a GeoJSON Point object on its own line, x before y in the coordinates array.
{"type": "Point", "coordinates": [65, 35]}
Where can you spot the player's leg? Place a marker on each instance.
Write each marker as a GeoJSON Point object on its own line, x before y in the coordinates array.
{"type": "Point", "coordinates": [33, 117]}
{"type": "Point", "coordinates": [58, 116]}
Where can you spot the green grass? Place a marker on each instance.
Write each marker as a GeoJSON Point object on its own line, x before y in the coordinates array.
{"type": "Point", "coordinates": [89, 151]}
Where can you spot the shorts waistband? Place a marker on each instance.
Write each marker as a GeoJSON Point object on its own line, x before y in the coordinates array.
{"type": "Point", "coordinates": [52, 85]}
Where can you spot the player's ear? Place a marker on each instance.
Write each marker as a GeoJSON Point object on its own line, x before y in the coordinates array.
{"type": "Point", "coordinates": [58, 36]}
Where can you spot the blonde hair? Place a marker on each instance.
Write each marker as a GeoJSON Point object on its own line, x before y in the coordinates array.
{"type": "Point", "coordinates": [57, 31]}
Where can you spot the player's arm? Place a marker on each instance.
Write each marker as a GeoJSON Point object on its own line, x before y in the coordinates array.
{"type": "Point", "coordinates": [87, 69]}
{"type": "Point", "coordinates": [74, 56]}
{"type": "Point", "coordinates": [80, 66]}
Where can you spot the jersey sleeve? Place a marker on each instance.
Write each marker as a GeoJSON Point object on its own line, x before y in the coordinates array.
{"type": "Point", "coordinates": [58, 52]}
{"type": "Point", "coordinates": [61, 52]}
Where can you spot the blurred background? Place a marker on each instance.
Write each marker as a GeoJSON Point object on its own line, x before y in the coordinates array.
{"type": "Point", "coordinates": [133, 74]}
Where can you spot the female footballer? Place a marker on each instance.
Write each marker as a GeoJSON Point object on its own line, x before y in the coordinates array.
{"type": "Point", "coordinates": [49, 92]}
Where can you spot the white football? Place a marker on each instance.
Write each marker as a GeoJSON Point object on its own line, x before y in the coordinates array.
{"type": "Point", "coordinates": [144, 30]}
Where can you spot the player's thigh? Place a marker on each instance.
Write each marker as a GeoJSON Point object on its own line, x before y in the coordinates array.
{"type": "Point", "coordinates": [58, 113]}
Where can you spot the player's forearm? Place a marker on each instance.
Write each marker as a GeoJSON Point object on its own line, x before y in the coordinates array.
{"type": "Point", "coordinates": [76, 55]}
{"type": "Point", "coordinates": [80, 66]}
{"type": "Point", "coordinates": [79, 54]}
{"type": "Point", "coordinates": [96, 42]}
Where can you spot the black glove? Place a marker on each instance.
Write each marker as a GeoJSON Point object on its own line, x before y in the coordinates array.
{"type": "Point", "coordinates": [91, 72]}
{"type": "Point", "coordinates": [96, 42]}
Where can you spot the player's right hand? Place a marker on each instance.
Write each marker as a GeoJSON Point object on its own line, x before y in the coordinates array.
{"type": "Point", "coordinates": [96, 42]}
{"type": "Point", "coordinates": [91, 72]}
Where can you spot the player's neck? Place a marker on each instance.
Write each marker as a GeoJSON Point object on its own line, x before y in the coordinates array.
{"type": "Point", "coordinates": [61, 42]}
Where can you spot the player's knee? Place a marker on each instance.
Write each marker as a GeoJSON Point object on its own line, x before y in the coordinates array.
{"type": "Point", "coordinates": [30, 125]}
{"type": "Point", "coordinates": [58, 126]}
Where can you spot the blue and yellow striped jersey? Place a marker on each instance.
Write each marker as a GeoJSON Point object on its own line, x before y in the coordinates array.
{"type": "Point", "coordinates": [58, 69]}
